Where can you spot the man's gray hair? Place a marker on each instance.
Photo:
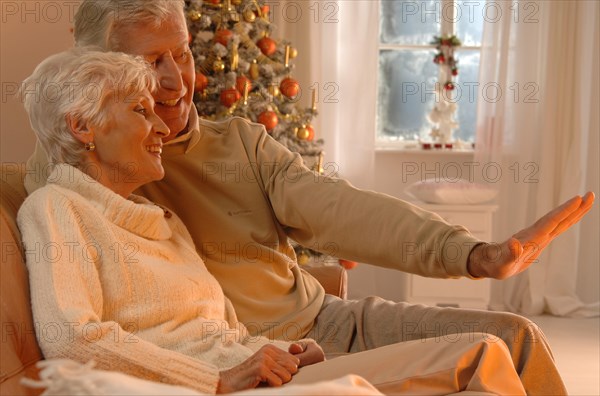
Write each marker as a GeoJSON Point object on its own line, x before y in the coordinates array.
{"type": "Point", "coordinates": [97, 22]}
{"type": "Point", "coordinates": [80, 83]}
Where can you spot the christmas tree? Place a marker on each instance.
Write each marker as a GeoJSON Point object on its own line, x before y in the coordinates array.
{"type": "Point", "coordinates": [241, 70]}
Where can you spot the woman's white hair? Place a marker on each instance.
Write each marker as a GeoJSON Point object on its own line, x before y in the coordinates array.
{"type": "Point", "coordinates": [97, 22]}
{"type": "Point", "coordinates": [79, 84]}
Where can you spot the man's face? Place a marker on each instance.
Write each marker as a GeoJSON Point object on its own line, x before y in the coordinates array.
{"type": "Point", "coordinates": [166, 48]}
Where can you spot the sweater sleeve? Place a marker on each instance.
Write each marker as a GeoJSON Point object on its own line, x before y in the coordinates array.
{"type": "Point", "coordinates": [66, 296]}
{"type": "Point", "coordinates": [332, 216]}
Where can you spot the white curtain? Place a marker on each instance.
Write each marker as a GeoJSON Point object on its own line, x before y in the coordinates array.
{"type": "Point", "coordinates": [537, 116]}
{"type": "Point", "coordinates": [337, 45]}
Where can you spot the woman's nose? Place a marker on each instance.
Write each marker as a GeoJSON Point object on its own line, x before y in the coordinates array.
{"type": "Point", "coordinates": [159, 127]}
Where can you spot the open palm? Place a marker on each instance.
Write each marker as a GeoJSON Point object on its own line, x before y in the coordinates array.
{"type": "Point", "coordinates": [501, 261]}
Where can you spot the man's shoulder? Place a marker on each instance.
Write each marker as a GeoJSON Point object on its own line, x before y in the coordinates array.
{"type": "Point", "coordinates": [231, 126]}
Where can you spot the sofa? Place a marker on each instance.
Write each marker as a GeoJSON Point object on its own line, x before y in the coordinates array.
{"type": "Point", "coordinates": [19, 351]}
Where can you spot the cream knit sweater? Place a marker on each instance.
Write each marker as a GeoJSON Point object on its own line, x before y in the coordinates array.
{"type": "Point", "coordinates": [119, 281]}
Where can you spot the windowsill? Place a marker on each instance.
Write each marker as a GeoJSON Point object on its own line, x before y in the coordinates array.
{"type": "Point", "coordinates": [387, 149]}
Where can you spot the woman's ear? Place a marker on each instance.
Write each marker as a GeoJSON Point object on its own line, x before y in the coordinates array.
{"type": "Point", "coordinates": [79, 129]}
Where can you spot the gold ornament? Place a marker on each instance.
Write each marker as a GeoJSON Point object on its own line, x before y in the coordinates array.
{"type": "Point", "coordinates": [236, 2]}
{"type": "Point", "coordinates": [319, 164]}
{"type": "Point", "coordinates": [274, 90]}
{"type": "Point", "coordinates": [234, 16]}
{"type": "Point", "coordinates": [293, 53]}
{"type": "Point", "coordinates": [195, 15]}
{"type": "Point", "coordinates": [287, 56]}
{"type": "Point", "coordinates": [303, 259]}
{"type": "Point", "coordinates": [218, 65]}
{"type": "Point", "coordinates": [249, 15]}
{"type": "Point", "coordinates": [254, 71]}
{"type": "Point", "coordinates": [302, 133]}
{"type": "Point", "coordinates": [235, 58]}
{"type": "Point", "coordinates": [246, 91]}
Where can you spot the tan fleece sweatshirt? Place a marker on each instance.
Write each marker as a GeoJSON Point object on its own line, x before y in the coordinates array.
{"type": "Point", "coordinates": [241, 194]}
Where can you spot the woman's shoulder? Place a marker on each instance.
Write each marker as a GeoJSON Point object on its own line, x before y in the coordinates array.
{"type": "Point", "coordinates": [50, 192]}
{"type": "Point", "coordinates": [50, 199]}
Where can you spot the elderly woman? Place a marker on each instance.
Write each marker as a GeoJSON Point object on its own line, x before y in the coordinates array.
{"type": "Point", "coordinates": [116, 278]}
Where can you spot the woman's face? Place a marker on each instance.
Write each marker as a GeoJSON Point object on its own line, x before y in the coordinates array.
{"type": "Point", "coordinates": [129, 145]}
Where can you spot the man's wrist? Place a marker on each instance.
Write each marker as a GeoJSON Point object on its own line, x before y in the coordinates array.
{"type": "Point", "coordinates": [474, 261]}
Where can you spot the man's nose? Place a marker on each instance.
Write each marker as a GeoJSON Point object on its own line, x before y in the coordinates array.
{"type": "Point", "coordinates": [169, 75]}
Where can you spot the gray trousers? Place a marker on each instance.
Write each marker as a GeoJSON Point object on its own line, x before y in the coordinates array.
{"type": "Point", "coordinates": [350, 326]}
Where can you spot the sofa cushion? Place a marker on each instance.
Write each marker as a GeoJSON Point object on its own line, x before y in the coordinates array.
{"type": "Point", "coordinates": [19, 346]}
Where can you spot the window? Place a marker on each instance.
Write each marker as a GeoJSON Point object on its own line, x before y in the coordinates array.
{"type": "Point", "coordinates": [407, 73]}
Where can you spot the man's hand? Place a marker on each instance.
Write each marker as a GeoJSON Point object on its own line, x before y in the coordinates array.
{"type": "Point", "coordinates": [270, 365]}
{"type": "Point", "coordinates": [501, 261]}
{"type": "Point", "coordinates": [308, 352]}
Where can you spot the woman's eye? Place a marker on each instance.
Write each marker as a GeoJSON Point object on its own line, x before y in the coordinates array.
{"type": "Point", "coordinates": [152, 62]}
{"type": "Point", "coordinates": [141, 110]}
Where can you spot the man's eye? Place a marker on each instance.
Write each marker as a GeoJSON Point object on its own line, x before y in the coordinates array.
{"type": "Point", "coordinates": [183, 57]}
{"type": "Point", "coordinates": [141, 110]}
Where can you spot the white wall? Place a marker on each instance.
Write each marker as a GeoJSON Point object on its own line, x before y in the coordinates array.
{"type": "Point", "coordinates": [29, 32]}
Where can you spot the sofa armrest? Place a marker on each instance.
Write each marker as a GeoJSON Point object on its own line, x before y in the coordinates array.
{"type": "Point", "coordinates": [19, 346]}
{"type": "Point", "coordinates": [333, 278]}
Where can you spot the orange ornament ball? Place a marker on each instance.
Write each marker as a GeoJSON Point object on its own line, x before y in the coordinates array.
{"type": "Point", "coordinates": [240, 84]}
{"type": "Point", "coordinates": [311, 133]}
{"type": "Point", "coordinates": [201, 82]}
{"type": "Point", "coordinates": [289, 87]}
{"type": "Point", "coordinates": [214, 1]}
{"type": "Point", "coordinates": [267, 46]}
{"type": "Point", "coordinates": [347, 264]}
{"type": "Point", "coordinates": [222, 36]}
{"type": "Point", "coordinates": [229, 96]}
{"type": "Point", "coordinates": [269, 119]}
{"type": "Point", "coordinates": [265, 10]}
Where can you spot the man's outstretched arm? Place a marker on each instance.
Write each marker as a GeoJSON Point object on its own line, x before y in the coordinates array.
{"type": "Point", "coordinates": [501, 261]}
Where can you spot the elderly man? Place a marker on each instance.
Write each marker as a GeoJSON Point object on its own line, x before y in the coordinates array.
{"type": "Point", "coordinates": [241, 195]}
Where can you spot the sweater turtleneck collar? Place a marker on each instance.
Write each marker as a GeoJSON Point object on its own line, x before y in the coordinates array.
{"type": "Point", "coordinates": [135, 214]}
